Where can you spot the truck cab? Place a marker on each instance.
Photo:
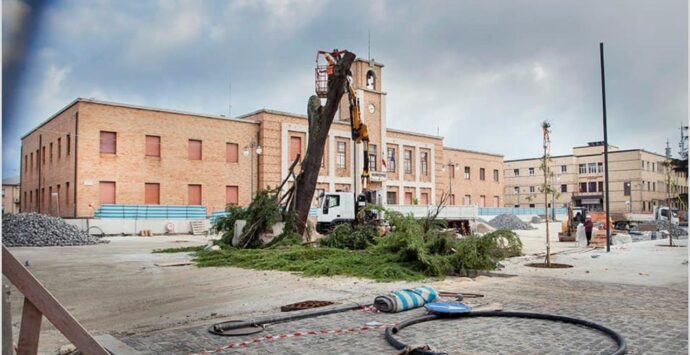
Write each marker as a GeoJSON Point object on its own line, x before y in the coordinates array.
{"type": "Point", "coordinates": [335, 208]}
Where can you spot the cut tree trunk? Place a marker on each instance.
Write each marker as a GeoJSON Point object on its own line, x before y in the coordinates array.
{"type": "Point", "coordinates": [320, 120]}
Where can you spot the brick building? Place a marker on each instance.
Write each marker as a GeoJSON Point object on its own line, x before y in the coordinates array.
{"type": "Point", "coordinates": [94, 152]}
{"type": "Point", "coordinates": [637, 180]}
{"type": "Point", "coordinates": [10, 195]}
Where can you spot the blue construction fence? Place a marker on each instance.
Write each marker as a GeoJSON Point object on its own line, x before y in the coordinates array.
{"type": "Point", "coordinates": [216, 214]}
{"type": "Point", "coordinates": [151, 212]}
{"type": "Point", "coordinates": [494, 211]}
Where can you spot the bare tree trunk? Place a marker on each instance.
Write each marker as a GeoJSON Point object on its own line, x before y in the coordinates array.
{"type": "Point", "coordinates": [320, 119]}
{"type": "Point", "coordinates": [546, 207]}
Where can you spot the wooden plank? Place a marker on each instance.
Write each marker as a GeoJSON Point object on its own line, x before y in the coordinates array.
{"type": "Point", "coordinates": [115, 346]}
{"type": "Point", "coordinates": [46, 303]}
{"type": "Point", "coordinates": [30, 329]}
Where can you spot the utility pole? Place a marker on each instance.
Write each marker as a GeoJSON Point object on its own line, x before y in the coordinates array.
{"type": "Point", "coordinates": [606, 150]}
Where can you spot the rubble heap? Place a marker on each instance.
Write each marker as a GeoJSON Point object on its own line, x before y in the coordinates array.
{"type": "Point", "coordinates": [39, 230]}
{"type": "Point", "coordinates": [509, 221]}
{"type": "Point", "coordinates": [676, 231]}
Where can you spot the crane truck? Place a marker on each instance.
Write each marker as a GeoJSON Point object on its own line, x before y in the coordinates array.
{"type": "Point", "coordinates": [344, 207]}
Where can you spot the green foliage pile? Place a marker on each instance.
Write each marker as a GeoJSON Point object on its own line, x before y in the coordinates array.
{"type": "Point", "coordinates": [413, 249]}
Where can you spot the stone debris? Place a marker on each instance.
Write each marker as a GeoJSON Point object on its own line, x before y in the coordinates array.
{"type": "Point", "coordinates": [509, 221]}
{"type": "Point", "coordinates": [484, 227]}
{"type": "Point", "coordinates": [39, 230]}
{"type": "Point", "coordinates": [676, 231]}
{"type": "Point", "coordinates": [536, 219]}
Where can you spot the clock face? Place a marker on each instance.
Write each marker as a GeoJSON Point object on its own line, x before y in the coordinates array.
{"type": "Point", "coordinates": [372, 108]}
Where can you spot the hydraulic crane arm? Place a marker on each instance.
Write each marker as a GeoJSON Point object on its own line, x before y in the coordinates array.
{"type": "Point", "coordinates": [359, 131]}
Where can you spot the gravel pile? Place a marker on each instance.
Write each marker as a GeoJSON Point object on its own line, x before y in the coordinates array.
{"type": "Point", "coordinates": [536, 219]}
{"type": "Point", "coordinates": [676, 231]}
{"type": "Point", "coordinates": [39, 230]}
{"type": "Point", "coordinates": [509, 221]}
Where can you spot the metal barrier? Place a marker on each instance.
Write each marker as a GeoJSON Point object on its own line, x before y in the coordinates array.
{"type": "Point", "coordinates": [494, 211]}
{"type": "Point", "coordinates": [151, 212]}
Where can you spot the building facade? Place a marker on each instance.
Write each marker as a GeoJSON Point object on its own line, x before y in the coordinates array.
{"type": "Point", "coordinates": [94, 152]}
{"type": "Point", "coordinates": [637, 180]}
{"type": "Point", "coordinates": [10, 195]}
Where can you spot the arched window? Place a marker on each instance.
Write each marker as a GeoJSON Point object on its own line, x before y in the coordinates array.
{"type": "Point", "coordinates": [371, 80]}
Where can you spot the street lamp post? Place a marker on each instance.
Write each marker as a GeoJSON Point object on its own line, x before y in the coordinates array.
{"type": "Point", "coordinates": [248, 149]}
{"type": "Point", "coordinates": [450, 165]}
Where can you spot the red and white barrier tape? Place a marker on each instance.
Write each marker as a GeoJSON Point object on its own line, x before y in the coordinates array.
{"type": "Point", "coordinates": [268, 338]}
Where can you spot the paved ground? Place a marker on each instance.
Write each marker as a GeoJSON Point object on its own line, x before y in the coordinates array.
{"type": "Point", "coordinates": [652, 319]}
{"type": "Point", "coordinates": [116, 288]}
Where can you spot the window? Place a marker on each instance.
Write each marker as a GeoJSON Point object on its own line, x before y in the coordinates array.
{"type": "Point", "coordinates": [531, 189]}
{"type": "Point", "coordinates": [194, 149]}
{"type": "Point", "coordinates": [67, 193]}
{"type": "Point", "coordinates": [408, 198]}
{"type": "Point", "coordinates": [31, 197]}
{"type": "Point", "coordinates": [482, 200]}
{"type": "Point", "coordinates": [582, 168]}
{"type": "Point", "coordinates": [340, 161]}
{"type": "Point", "coordinates": [451, 171]}
{"type": "Point", "coordinates": [564, 168]}
{"type": "Point", "coordinates": [69, 142]}
{"type": "Point", "coordinates": [496, 201]}
{"type": "Point", "coordinates": [601, 186]}
{"type": "Point", "coordinates": [391, 160]}
{"type": "Point", "coordinates": [26, 162]}
{"type": "Point", "coordinates": [467, 173]}
{"type": "Point", "coordinates": [654, 186]}
{"type": "Point", "coordinates": [516, 190]}
{"type": "Point", "coordinates": [564, 188]}
{"type": "Point", "coordinates": [531, 171]}
{"type": "Point", "coordinates": [482, 174]}
{"type": "Point", "coordinates": [592, 186]}
{"type": "Point", "coordinates": [451, 199]}
{"type": "Point", "coordinates": [107, 192]}
{"type": "Point", "coordinates": [232, 195]}
{"type": "Point", "coordinates": [425, 164]}
{"type": "Point", "coordinates": [600, 167]}
{"type": "Point", "coordinates": [583, 187]}
{"type": "Point", "coordinates": [516, 206]}
{"type": "Point", "coordinates": [231, 152]}
{"type": "Point", "coordinates": [391, 198]}
{"type": "Point", "coordinates": [32, 160]}
{"type": "Point", "coordinates": [424, 198]}
{"type": "Point", "coordinates": [591, 168]}
{"type": "Point", "coordinates": [24, 202]}
{"type": "Point", "coordinates": [647, 165]}
{"type": "Point", "coordinates": [372, 157]}
{"type": "Point", "coordinates": [194, 195]}
{"type": "Point", "coordinates": [295, 148]}
{"type": "Point", "coordinates": [153, 146]}
{"type": "Point", "coordinates": [648, 186]}
{"type": "Point", "coordinates": [643, 164]}
{"type": "Point", "coordinates": [516, 172]}
{"type": "Point", "coordinates": [408, 161]}
{"type": "Point", "coordinates": [59, 195]}
{"type": "Point", "coordinates": [531, 205]}
{"type": "Point", "coordinates": [496, 175]}
{"type": "Point", "coordinates": [43, 155]}
{"type": "Point", "coordinates": [653, 166]}
{"type": "Point", "coordinates": [467, 200]}
{"type": "Point", "coordinates": [59, 148]}
{"type": "Point", "coordinates": [371, 80]}
{"type": "Point", "coordinates": [108, 142]}
{"type": "Point", "coordinates": [332, 201]}
{"type": "Point", "coordinates": [152, 193]}
{"type": "Point", "coordinates": [51, 152]}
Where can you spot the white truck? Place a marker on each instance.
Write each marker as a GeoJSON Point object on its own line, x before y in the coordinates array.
{"type": "Point", "coordinates": [342, 207]}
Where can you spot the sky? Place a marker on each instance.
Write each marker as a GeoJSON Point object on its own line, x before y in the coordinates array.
{"type": "Point", "coordinates": [483, 74]}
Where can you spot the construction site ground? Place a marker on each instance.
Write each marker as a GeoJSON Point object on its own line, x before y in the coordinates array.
{"type": "Point", "coordinates": [638, 289]}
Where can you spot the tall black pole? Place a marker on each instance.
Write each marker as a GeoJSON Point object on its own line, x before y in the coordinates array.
{"type": "Point", "coordinates": [606, 150]}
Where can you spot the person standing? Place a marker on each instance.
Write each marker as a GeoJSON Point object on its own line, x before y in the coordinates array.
{"type": "Point", "coordinates": [588, 229]}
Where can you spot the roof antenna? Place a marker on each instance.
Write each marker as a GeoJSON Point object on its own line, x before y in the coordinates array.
{"type": "Point", "coordinates": [230, 98]}
{"type": "Point", "coordinates": [369, 47]}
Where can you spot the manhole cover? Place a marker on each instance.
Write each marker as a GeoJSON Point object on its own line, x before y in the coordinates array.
{"type": "Point", "coordinates": [553, 265]}
{"type": "Point", "coordinates": [304, 305]}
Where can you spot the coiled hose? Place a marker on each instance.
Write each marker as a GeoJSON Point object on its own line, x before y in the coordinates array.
{"type": "Point", "coordinates": [620, 341]}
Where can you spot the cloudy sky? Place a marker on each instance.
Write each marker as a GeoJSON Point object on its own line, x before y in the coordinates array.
{"type": "Point", "coordinates": [482, 73]}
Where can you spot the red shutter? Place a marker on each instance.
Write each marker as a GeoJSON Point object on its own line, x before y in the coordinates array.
{"type": "Point", "coordinates": [152, 194]}
{"type": "Point", "coordinates": [194, 195]}
{"type": "Point", "coordinates": [194, 150]}
{"type": "Point", "coordinates": [107, 190]}
{"type": "Point", "coordinates": [295, 147]}
{"type": "Point", "coordinates": [153, 146]}
{"type": "Point", "coordinates": [425, 198]}
{"type": "Point", "coordinates": [231, 195]}
{"type": "Point", "coordinates": [231, 152]}
{"type": "Point", "coordinates": [408, 198]}
{"type": "Point", "coordinates": [108, 142]}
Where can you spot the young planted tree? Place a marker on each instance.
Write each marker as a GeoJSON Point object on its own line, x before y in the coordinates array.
{"type": "Point", "coordinates": [320, 119]}
{"type": "Point", "coordinates": [546, 187]}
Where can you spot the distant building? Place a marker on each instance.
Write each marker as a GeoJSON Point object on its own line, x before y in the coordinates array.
{"type": "Point", "coordinates": [94, 152]}
{"type": "Point", "coordinates": [10, 195]}
{"type": "Point", "coordinates": [636, 182]}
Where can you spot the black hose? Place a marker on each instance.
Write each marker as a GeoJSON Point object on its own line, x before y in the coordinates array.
{"type": "Point", "coordinates": [620, 341]}
{"type": "Point", "coordinates": [219, 328]}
